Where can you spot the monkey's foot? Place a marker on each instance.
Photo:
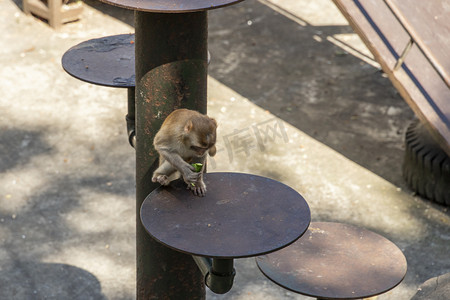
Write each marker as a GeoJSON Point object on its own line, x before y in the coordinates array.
{"type": "Point", "coordinates": [162, 179]}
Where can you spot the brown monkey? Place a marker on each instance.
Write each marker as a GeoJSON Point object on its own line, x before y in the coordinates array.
{"type": "Point", "coordinates": [184, 138]}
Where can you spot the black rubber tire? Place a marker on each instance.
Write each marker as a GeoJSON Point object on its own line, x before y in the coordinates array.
{"type": "Point", "coordinates": [426, 167]}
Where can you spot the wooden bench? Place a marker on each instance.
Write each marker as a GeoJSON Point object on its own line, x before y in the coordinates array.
{"type": "Point", "coordinates": [54, 11]}
{"type": "Point", "coordinates": [410, 40]}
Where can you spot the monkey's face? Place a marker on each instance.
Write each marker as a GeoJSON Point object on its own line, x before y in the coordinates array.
{"type": "Point", "coordinates": [203, 137]}
{"type": "Point", "coordinates": [199, 135]}
{"type": "Point", "coordinates": [203, 142]}
{"type": "Point", "coordinates": [199, 151]}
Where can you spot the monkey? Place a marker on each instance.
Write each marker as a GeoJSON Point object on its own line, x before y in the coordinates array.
{"type": "Point", "coordinates": [185, 137]}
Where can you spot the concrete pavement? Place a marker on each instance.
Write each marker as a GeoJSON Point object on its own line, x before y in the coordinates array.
{"type": "Point", "coordinates": [67, 171]}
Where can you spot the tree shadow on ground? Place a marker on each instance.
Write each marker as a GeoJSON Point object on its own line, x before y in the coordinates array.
{"type": "Point", "coordinates": [29, 280]}
{"type": "Point", "coordinates": [48, 218]}
{"type": "Point", "coordinates": [27, 144]}
{"type": "Point", "coordinates": [296, 73]}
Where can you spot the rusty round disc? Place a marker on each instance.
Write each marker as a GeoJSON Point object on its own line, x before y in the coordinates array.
{"type": "Point", "coordinates": [172, 6]}
{"type": "Point", "coordinates": [107, 61]}
{"type": "Point", "coordinates": [241, 215]}
{"type": "Point", "coordinates": [336, 261]}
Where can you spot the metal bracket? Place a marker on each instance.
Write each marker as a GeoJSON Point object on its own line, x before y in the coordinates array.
{"type": "Point", "coordinates": [403, 55]}
{"type": "Point", "coordinates": [131, 117]}
{"type": "Point", "coordinates": [131, 130]}
{"type": "Point", "coordinates": [218, 273]}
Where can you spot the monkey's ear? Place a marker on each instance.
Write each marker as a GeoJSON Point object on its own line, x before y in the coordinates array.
{"type": "Point", "coordinates": [212, 151]}
{"type": "Point", "coordinates": [214, 121]}
{"type": "Point", "coordinates": [188, 126]}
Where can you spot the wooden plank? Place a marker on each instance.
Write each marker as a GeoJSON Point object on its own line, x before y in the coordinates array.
{"type": "Point", "coordinates": [428, 95]}
{"type": "Point", "coordinates": [71, 11]}
{"type": "Point", "coordinates": [417, 81]}
{"type": "Point", "coordinates": [381, 31]}
{"type": "Point", "coordinates": [428, 23]}
{"type": "Point", "coordinates": [38, 8]}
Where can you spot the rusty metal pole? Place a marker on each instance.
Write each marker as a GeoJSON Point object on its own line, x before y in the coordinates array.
{"type": "Point", "coordinates": [171, 61]}
{"type": "Point", "coordinates": [171, 72]}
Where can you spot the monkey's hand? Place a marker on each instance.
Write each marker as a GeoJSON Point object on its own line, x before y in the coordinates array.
{"type": "Point", "coordinates": [189, 176]}
{"type": "Point", "coordinates": [198, 188]}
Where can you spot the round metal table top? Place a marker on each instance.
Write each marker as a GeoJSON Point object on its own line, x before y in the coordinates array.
{"type": "Point", "coordinates": [241, 215]}
{"type": "Point", "coordinates": [172, 6]}
{"type": "Point", "coordinates": [336, 261]}
{"type": "Point", "coordinates": [107, 61]}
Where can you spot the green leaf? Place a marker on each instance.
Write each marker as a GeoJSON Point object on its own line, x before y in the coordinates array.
{"type": "Point", "coordinates": [198, 167]}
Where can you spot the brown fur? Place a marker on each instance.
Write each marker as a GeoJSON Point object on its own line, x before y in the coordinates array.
{"type": "Point", "coordinates": [185, 137]}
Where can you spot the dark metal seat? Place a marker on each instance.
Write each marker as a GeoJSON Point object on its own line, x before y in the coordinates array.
{"type": "Point", "coordinates": [241, 215]}
{"type": "Point", "coordinates": [106, 61]}
{"type": "Point", "coordinates": [336, 261]}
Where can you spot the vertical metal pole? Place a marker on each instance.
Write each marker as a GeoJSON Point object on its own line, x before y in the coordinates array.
{"type": "Point", "coordinates": [131, 116]}
{"type": "Point", "coordinates": [171, 71]}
